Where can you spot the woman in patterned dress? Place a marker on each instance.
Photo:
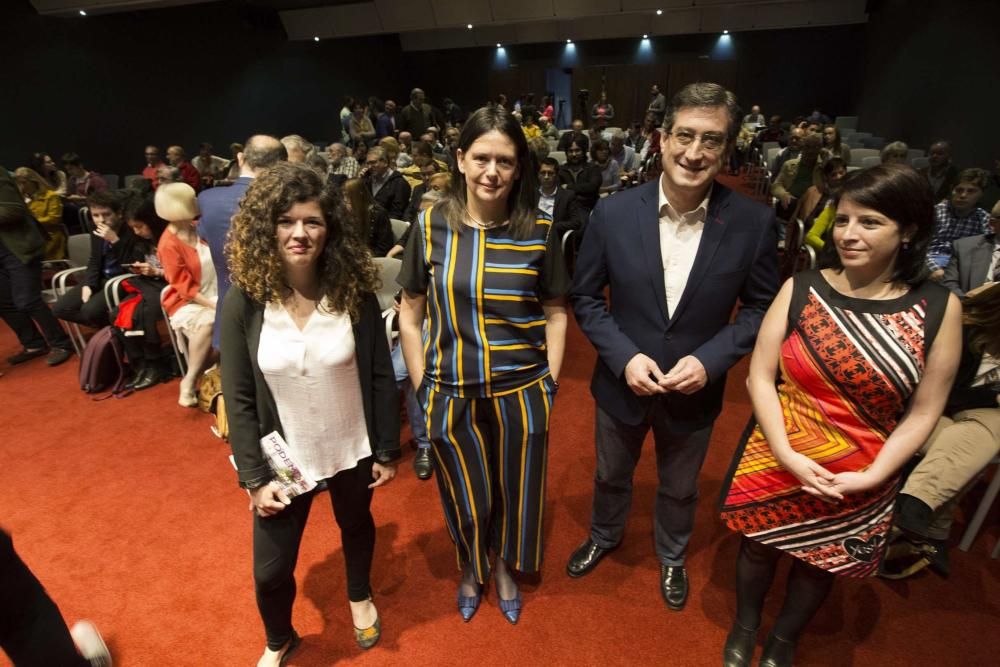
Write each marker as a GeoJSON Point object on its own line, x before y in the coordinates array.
{"type": "Point", "coordinates": [864, 353]}
{"type": "Point", "coordinates": [483, 269]}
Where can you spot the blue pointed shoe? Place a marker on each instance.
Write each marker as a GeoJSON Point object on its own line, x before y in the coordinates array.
{"type": "Point", "coordinates": [467, 606]}
{"type": "Point", "coordinates": [511, 609]}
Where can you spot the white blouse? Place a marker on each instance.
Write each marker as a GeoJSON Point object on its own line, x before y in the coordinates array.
{"type": "Point", "coordinates": [313, 377]}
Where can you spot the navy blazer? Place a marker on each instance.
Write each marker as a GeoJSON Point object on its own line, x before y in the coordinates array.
{"type": "Point", "coordinates": [218, 206]}
{"type": "Point", "coordinates": [736, 262]}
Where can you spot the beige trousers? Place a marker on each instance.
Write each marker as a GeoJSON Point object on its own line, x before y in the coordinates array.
{"type": "Point", "coordinates": [958, 449]}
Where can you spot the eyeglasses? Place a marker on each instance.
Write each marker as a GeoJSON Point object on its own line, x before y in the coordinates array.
{"type": "Point", "coordinates": [710, 141]}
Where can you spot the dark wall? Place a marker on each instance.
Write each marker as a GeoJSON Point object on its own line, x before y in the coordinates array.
{"type": "Point", "coordinates": [105, 86]}
{"type": "Point", "coordinates": [932, 72]}
{"type": "Point", "coordinates": [787, 72]}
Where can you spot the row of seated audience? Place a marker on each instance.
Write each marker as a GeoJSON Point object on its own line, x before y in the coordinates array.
{"type": "Point", "coordinates": [157, 238]}
{"type": "Point", "coordinates": [172, 242]}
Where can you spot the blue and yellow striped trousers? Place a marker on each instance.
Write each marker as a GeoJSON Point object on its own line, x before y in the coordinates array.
{"type": "Point", "coordinates": [491, 456]}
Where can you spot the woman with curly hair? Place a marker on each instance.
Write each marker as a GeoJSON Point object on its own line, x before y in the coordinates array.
{"type": "Point", "coordinates": [484, 270]}
{"type": "Point", "coordinates": [304, 357]}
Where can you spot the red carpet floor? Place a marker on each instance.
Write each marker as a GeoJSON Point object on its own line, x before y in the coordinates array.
{"type": "Point", "coordinates": [129, 513]}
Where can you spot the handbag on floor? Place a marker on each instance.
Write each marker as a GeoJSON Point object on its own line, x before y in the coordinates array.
{"type": "Point", "coordinates": [211, 400]}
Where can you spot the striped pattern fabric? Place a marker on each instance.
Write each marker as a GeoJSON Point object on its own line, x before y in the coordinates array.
{"type": "Point", "coordinates": [848, 367]}
{"type": "Point", "coordinates": [491, 458]}
{"type": "Point", "coordinates": [486, 326]}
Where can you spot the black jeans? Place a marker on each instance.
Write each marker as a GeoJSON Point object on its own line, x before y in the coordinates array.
{"type": "Point", "coordinates": [32, 631]}
{"type": "Point", "coordinates": [21, 305]}
{"type": "Point", "coordinates": [93, 313]}
{"type": "Point", "coordinates": [276, 542]}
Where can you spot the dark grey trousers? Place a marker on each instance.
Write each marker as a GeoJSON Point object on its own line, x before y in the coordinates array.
{"type": "Point", "coordinates": [679, 457]}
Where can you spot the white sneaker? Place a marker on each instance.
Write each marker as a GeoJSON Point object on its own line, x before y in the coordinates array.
{"type": "Point", "coordinates": [92, 647]}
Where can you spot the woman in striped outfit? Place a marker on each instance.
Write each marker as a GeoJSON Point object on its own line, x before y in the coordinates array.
{"type": "Point", "coordinates": [490, 280]}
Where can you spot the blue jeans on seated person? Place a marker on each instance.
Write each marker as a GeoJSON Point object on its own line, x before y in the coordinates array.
{"type": "Point", "coordinates": [413, 409]}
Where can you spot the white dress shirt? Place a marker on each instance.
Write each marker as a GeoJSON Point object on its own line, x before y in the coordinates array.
{"type": "Point", "coordinates": [313, 377]}
{"type": "Point", "coordinates": [547, 203]}
{"type": "Point", "coordinates": [680, 235]}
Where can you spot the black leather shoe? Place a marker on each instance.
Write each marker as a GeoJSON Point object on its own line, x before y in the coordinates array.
{"type": "Point", "coordinates": [777, 652]}
{"type": "Point", "coordinates": [154, 375]}
{"type": "Point", "coordinates": [422, 464]}
{"type": "Point", "coordinates": [58, 356]}
{"type": "Point", "coordinates": [740, 645]}
{"type": "Point", "coordinates": [140, 373]}
{"type": "Point", "coordinates": [674, 586]}
{"type": "Point", "coordinates": [26, 355]}
{"type": "Point", "coordinates": [585, 558]}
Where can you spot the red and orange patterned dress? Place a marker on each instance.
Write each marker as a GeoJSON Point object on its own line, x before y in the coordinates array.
{"type": "Point", "coordinates": [848, 368]}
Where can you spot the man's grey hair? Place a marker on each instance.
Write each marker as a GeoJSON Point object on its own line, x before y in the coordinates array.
{"type": "Point", "coordinates": [379, 153]}
{"type": "Point", "coordinates": [262, 151]}
{"type": "Point", "coordinates": [704, 95]}
{"type": "Point", "coordinates": [617, 133]}
{"type": "Point", "coordinates": [299, 142]}
{"type": "Point", "coordinates": [318, 163]}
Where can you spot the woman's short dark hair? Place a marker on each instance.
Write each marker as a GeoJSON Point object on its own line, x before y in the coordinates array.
{"type": "Point", "coordinates": [521, 201]}
{"type": "Point", "coordinates": [695, 95]}
{"type": "Point", "coordinates": [598, 145]}
{"type": "Point", "coordinates": [901, 194]}
{"type": "Point", "coordinates": [138, 206]}
{"type": "Point", "coordinates": [71, 159]}
{"type": "Point", "coordinates": [833, 164]}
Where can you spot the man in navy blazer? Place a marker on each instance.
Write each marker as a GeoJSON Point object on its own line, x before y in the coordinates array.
{"type": "Point", "coordinates": [219, 205]}
{"type": "Point", "coordinates": [678, 255]}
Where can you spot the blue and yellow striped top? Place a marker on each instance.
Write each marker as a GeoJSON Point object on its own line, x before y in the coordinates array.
{"type": "Point", "coordinates": [485, 333]}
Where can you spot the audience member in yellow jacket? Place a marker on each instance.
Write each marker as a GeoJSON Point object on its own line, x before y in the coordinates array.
{"type": "Point", "coordinates": [46, 206]}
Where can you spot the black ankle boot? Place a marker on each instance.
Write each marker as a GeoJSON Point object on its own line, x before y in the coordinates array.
{"type": "Point", "coordinates": [740, 645]}
{"type": "Point", "coordinates": [777, 652]}
{"type": "Point", "coordinates": [140, 373]}
{"type": "Point", "coordinates": [154, 375]}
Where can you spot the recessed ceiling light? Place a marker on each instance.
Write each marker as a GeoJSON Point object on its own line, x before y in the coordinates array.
{"type": "Point", "coordinates": [469, 26]}
{"type": "Point", "coordinates": [569, 41]}
{"type": "Point", "coordinates": [83, 12]}
{"type": "Point", "coordinates": [315, 39]}
{"type": "Point", "coordinates": [659, 12]}
{"type": "Point", "coordinates": [645, 36]}
{"type": "Point", "coordinates": [499, 46]}
{"type": "Point", "coordinates": [725, 32]}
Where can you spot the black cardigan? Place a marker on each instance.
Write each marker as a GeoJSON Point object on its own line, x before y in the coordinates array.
{"type": "Point", "coordinates": [250, 406]}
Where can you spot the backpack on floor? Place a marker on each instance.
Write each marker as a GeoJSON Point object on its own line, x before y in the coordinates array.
{"type": "Point", "coordinates": [102, 367]}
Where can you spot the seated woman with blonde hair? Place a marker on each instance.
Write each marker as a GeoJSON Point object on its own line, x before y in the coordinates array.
{"type": "Point", "coordinates": [895, 153]}
{"type": "Point", "coordinates": [188, 268]}
{"type": "Point", "coordinates": [46, 206]}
